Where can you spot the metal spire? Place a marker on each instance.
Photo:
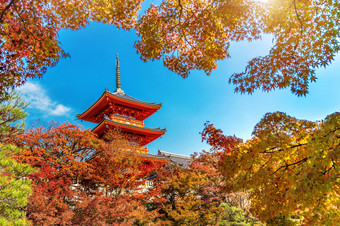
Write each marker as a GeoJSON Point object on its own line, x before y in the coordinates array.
{"type": "Point", "coordinates": [118, 85]}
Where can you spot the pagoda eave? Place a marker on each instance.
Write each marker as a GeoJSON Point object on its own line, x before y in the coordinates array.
{"type": "Point", "coordinates": [150, 134]}
{"type": "Point", "coordinates": [108, 98]}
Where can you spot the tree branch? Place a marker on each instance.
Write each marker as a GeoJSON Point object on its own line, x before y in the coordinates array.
{"type": "Point", "coordinates": [24, 25]}
{"type": "Point", "coordinates": [180, 24]}
{"type": "Point", "coordinates": [5, 9]}
{"type": "Point", "coordinates": [288, 165]}
{"type": "Point", "coordinates": [281, 149]}
{"type": "Point", "coordinates": [298, 16]}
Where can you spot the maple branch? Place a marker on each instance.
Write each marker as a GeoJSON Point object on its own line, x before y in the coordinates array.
{"type": "Point", "coordinates": [265, 163]}
{"type": "Point", "coordinates": [180, 12]}
{"type": "Point", "coordinates": [281, 149]}
{"type": "Point", "coordinates": [298, 16]}
{"type": "Point", "coordinates": [24, 23]}
{"type": "Point", "coordinates": [288, 165]}
{"type": "Point", "coordinates": [73, 148]}
{"type": "Point", "coordinates": [180, 23]}
{"type": "Point", "coordinates": [329, 169]}
{"type": "Point", "coordinates": [5, 9]}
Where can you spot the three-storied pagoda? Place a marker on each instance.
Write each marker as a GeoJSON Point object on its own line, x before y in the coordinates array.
{"type": "Point", "coordinates": [120, 111]}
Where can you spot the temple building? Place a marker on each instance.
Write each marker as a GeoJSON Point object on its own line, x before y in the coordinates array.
{"type": "Point", "coordinates": [119, 111]}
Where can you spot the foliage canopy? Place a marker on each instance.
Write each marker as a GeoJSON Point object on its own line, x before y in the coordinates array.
{"type": "Point", "coordinates": [289, 166]}
{"type": "Point", "coordinates": [186, 34]}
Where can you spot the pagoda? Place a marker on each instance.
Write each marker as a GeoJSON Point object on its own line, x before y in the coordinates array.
{"type": "Point", "coordinates": [119, 111]}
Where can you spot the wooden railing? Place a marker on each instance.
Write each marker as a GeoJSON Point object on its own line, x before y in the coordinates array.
{"type": "Point", "coordinates": [127, 120]}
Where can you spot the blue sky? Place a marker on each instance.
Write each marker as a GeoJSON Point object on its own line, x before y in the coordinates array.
{"type": "Point", "coordinates": [77, 82]}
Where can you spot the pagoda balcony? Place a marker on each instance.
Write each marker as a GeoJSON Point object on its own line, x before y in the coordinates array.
{"type": "Point", "coordinates": [127, 120]}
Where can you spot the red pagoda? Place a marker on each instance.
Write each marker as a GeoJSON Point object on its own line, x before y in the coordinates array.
{"type": "Point", "coordinates": [119, 111]}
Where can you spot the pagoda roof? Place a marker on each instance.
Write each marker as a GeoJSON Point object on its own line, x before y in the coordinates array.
{"type": "Point", "coordinates": [151, 133]}
{"type": "Point", "coordinates": [129, 98]}
{"type": "Point", "coordinates": [119, 98]}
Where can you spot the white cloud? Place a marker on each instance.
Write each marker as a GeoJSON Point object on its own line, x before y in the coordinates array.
{"type": "Point", "coordinates": [60, 110]}
{"type": "Point", "coordinates": [37, 98]}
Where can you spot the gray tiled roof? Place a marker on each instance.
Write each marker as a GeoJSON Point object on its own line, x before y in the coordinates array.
{"type": "Point", "coordinates": [181, 160]}
{"type": "Point", "coordinates": [153, 156]}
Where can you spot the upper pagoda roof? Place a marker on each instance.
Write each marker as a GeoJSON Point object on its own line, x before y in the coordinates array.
{"type": "Point", "coordinates": [129, 98]}
{"type": "Point", "coordinates": [117, 98]}
{"type": "Point", "coordinates": [150, 133]}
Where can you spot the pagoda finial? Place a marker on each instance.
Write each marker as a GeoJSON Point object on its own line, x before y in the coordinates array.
{"type": "Point", "coordinates": [118, 85]}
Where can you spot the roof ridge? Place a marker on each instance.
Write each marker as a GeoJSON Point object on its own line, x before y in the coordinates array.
{"type": "Point", "coordinates": [174, 154]}
{"type": "Point", "coordinates": [127, 97]}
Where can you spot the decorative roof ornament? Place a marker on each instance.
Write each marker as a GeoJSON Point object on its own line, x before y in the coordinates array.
{"type": "Point", "coordinates": [118, 85]}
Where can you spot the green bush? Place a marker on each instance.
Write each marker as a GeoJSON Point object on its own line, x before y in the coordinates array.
{"type": "Point", "coordinates": [234, 216]}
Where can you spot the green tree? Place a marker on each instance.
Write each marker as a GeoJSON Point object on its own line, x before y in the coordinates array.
{"type": "Point", "coordinates": [234, 216]}
{"type": "Point", "coordinates": [15, 188]}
